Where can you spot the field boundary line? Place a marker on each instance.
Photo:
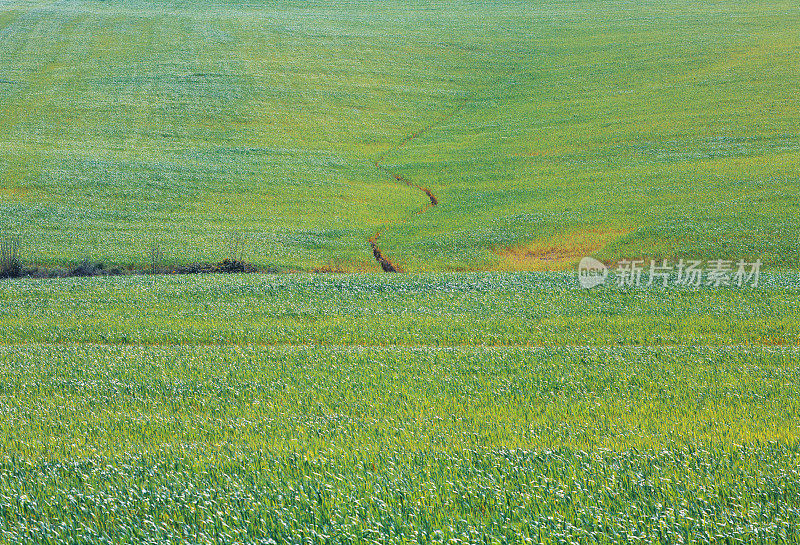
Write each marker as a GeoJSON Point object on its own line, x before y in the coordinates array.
{"type": "Point", "coordinates": [787, 347]}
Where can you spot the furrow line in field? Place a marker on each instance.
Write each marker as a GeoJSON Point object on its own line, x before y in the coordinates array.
{"type": "Point", "coordinates": [386, 264]}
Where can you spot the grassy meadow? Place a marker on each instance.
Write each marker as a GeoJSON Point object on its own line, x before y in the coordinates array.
{"type": "Point", "coordinates": [448, 310]}
{"type": "Point", "coordinates": [548, 131]}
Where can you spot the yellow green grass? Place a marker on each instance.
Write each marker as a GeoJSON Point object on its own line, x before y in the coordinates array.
{"type": "Point", "coordinates": [478, 407]}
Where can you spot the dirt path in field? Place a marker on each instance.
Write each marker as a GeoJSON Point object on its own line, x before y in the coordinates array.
{"type": "Point", "coordinates": [382, 259]}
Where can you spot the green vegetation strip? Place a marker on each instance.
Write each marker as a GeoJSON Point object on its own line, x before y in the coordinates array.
{"type": "Point", "coordinates": [533, 309]}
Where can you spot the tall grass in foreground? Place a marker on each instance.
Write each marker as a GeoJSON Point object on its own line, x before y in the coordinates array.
{"type": "Point", "coordinates": [148, 410]}
{"type": "Point", "coordinates": [102, 444]}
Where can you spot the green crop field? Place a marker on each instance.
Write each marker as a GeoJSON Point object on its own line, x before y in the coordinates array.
{"type": "Point", "coordinates": [479, 408]}
{"type": "Point", "coordinates": [548, 130]}
{"type": "Point", "coordinates": [483, 148]}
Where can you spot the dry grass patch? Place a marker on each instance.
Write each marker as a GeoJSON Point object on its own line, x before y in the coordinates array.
{"type": "Point", "coordinates": [560, 252]}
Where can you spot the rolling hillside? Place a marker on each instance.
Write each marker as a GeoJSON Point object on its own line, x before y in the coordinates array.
{"type": "Point", "coordinates": [546, 130]}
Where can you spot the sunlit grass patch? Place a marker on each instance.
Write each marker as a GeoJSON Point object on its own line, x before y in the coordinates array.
{"type": "Point", "coordinates": [162, 120]}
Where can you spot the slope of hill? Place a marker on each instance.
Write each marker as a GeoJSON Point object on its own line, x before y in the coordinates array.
{"type": "Point", "coordinates": [547, 131]}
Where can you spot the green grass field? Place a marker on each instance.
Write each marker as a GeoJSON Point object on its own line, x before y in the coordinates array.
{"type": "Point", "coordinates": [479, 408]}
{"type": "Point", "coordinates": [482, 398]}
{"type": "Point", "coordinates": [548, 130]}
